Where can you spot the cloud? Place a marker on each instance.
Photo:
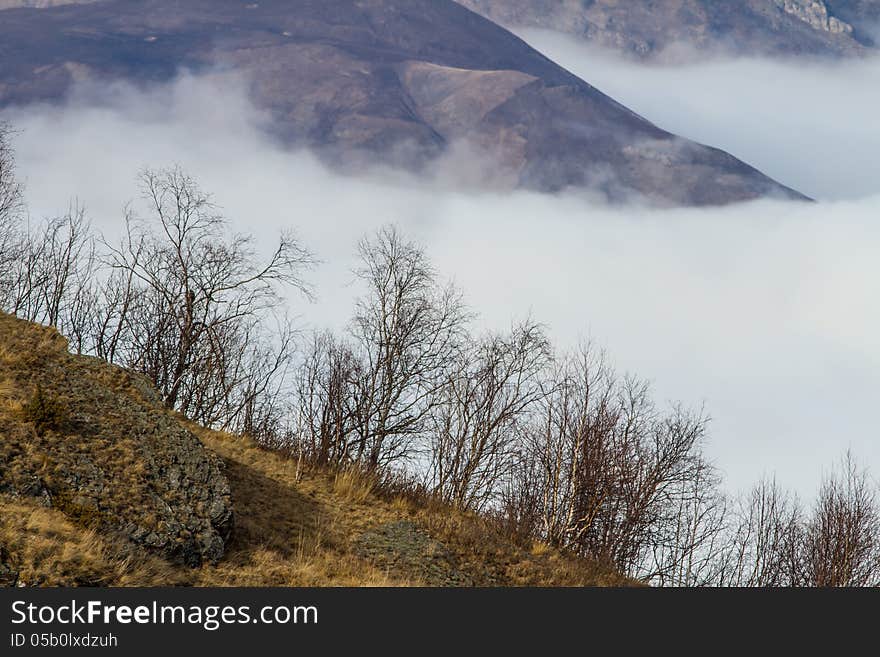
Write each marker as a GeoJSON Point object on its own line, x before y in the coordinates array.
{"type": "Point", "coordinates": [810, 124]}
{"type": "Point", "coordinates": [768, 312]}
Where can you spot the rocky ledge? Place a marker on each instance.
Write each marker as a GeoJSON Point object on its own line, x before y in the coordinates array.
{"type": "Point", "coordinates": [93, 441]}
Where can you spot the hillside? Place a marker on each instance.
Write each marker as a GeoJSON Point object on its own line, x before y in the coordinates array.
{"type": "Point", "coordinates": [399, 81]}
{"type": "Point", "coordinates": [101, 486]}
{"type": "Point", "coordinates": [647, 28]}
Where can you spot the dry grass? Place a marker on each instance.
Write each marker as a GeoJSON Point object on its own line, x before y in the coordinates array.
{"type": "Point", "coordinates": [353, 486]}
{"type": "Point", "coordinates": [293, 527]}
{"type": "Point", "coordinates": [49, 550]}
{"type": "Point", "coordinates": [306, 531]}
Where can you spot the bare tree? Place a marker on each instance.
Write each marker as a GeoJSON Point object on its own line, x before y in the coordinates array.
{"type": "Point", "coordinates": [837, 544]}
{"type": "Point", "coordinates": [765, 548]}
{"type": "Point", "coordinates": [11, 195]}
{"type": "Point", "coordinates": [49, 280]}
{"type": "Point", "coordinates": [188, 300]}
{"type": "Point", "coordinates": [489, 391]}
{"type": "Point", "coordinates": [692, 551]}
{"type": "Point", "coordinates": [407, 331]}
{"type": "Point", "coordinates": [617, 476]}
{"type": "Point", "coordinates": [328, 401]}
{"type": "Point", "coordinates": [11, 206]}
{"type": "Point", "coordinates": [842, 538]}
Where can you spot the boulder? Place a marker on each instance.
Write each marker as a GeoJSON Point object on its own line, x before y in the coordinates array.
{"type": "Point", "coordinates": [109, 456]}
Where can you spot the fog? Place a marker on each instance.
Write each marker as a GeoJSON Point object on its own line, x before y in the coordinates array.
{"type": "Point", "coordinates": [811, 124]}
{"type": "Point", "coordinates": [767, 313]}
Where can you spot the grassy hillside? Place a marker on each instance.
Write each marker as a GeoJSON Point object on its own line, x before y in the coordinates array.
{"type": "Point", "coordinates": [292, 526]}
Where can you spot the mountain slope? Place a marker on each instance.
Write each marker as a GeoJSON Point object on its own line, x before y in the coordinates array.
{"type": "Point", "coordinates": [98, 487]}
{"type": "Point", "coordinates": [403, 81]}
{"type": "Point", "coordinates": [86, 439]}
{"type": "Point", "coordinates": [647, 28]}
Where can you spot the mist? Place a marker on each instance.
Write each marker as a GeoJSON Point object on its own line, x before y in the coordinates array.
{"type": "Point", "coordinates": [767, 312]}
{"type": "Point", "coordinates": [811, 124]}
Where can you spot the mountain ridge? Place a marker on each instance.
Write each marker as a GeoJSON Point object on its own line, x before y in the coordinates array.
{"type": "Point", "coordinates": [397, 81]}
{"type": "Point", "coordinates": [656, 29]}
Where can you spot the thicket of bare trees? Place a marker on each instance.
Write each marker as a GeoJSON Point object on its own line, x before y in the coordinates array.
{"type": "Point", "coordinates": [604, 472]}
{"type": "Point", "coordinates": [776, 542]}
{"type": "Point", "coordinates": [179, 299]}
{"type": "Point", "coordinates": [557, 447]}
{"type": "Point", "coordinates": [478, 415]}
{"type": "Point", "coordinates": [188, 304]}
{"type": "Point", "coordinates": [10, 207]}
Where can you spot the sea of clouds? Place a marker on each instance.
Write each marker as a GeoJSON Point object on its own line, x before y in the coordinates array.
{"type": "Point", "coordinates": [767, 312]}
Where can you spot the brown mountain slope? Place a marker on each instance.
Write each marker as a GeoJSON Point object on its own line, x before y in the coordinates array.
{"type": "Point", "coordinates": [648, 28]}
{"type": "Point", "coordinates": [99, 454]}
{"type": "Point", "coordinates": [401, 81]}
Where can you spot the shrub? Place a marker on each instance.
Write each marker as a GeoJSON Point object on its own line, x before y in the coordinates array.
{"type": "Point", "coordinates": [44, 412]}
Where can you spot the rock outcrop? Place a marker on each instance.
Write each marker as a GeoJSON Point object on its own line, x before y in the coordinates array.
{"type": "Point", "coordinates": [656, 28]}
{"type": "Point", "coordinates": [815, 14]}
{"type": "Point", "coordinates": [93, 441]}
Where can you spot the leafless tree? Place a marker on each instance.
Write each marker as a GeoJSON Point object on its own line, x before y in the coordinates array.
{"type": "Point", "coordinates": [11, 207]}
{"type": "Point", "coordinates": [49, 281]}
{"type": "Point", "coordinates": [765, 548]}
{"type": "Point", "coordinates": [487, 393]}
{"type": "Point", "coordinates": [692, 551]}
{"type": "Point", "coordinates": [328, 394]}
{"type": "Point", "coordinates": [775, 543]}
{"type": "Point", "coordinates": [407, 332]}
{"type": "Point", "coordinates": [187, 301]}
{"type": "Point", "coordinates": [842, 538]}
{"type": "Point", "coordinates": [619, 479]}
{"type": "Point", "coordinates": [11, 196]}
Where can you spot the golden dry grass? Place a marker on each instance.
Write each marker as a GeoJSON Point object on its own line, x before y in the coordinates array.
{"type": "Point", "coordinates": [47, 549]}
{"type": "Point", "coordinates": [303, 529]}
{"type": "Point", "coordinates": [99, 405]}
{"type": "Point", "coordinates": [293, 526]}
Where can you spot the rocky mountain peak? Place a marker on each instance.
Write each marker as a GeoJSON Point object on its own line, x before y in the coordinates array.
{"type": "Point", "coordinates": [816, 14]}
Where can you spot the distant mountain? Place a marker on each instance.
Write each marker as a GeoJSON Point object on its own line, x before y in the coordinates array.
{"type": "Point", "coordinates": [399, 81]}
{"type": "Point", "coordinates": [648, 28]}
{"type": "Point", "coordinates": [40, 4]}
{"type": "Point", "coordinates": [863, 15]}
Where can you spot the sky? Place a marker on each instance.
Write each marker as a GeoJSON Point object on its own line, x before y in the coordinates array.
{"type": "Point", "coordinates": [767, 313]}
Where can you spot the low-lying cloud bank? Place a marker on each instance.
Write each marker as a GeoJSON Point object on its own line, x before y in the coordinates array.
{"type": "Point", "coordinates": [768, 312]}
{"type": "Point", "coordinates": [810, 124]}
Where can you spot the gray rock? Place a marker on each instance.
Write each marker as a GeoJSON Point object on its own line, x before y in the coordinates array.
{"type": "Point", "coordinates": [124, 465]}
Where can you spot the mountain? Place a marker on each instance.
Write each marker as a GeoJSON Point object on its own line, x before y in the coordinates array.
{"type": "Point", "coordinates": [649, 28]}
{"type": "Point", "coordinates": [863, 15]}
{"type": "Point", "coordinates": [400, 81]}
{"type": "Point", "coordinates": [101, 485]}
